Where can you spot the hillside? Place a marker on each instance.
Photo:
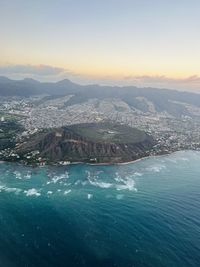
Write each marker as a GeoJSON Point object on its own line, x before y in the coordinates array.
{"type": "Point", "coordinates": [163, 100]}
{"type": "Point", "coordinates": [8, 132]}
{"type": "Point", "coordinates": [94, 142]}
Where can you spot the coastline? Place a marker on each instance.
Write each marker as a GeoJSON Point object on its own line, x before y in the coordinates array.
{"type": "Point", "coordinates": [132, 161]}
{"type": "Point", "coordinates": [99, 164]}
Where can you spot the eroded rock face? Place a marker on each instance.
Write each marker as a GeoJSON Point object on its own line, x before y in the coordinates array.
{"type": "Point", "coordinates": [65, 144]}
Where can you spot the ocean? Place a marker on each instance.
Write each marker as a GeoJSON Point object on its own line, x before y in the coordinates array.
{"type": "Point", "coordinates": [145, 213]}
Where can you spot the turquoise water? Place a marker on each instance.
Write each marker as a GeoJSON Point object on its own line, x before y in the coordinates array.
{"type": "Point", "coordinates": [141, 214]}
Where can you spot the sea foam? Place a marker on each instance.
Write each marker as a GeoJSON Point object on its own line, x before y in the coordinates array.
{"type": "Point", "coordinates": [32, 192]}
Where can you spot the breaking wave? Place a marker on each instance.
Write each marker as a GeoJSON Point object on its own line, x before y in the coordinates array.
{"type": "Point", "coordinates": [32, 192]}
{"type": "Point", "coordinates": [92, 215]}
{"type": "Point", "coordinates": [56, 181]}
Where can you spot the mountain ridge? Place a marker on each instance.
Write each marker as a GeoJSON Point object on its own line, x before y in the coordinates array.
{"type": "Point", "coordinates": [67, 82]}
{"type": "Point", "coordinates": [164, 100]}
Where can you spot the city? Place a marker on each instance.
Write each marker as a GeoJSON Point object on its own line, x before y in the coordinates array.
{"type": "Point", "coordinates": [37, 113]}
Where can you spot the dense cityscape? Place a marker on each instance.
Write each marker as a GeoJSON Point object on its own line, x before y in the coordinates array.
{"type": "Point", "coordinates": [41, 112]}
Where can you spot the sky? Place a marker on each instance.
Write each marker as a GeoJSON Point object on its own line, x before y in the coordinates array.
{"type": "Point", "coordinates": [124, 42]}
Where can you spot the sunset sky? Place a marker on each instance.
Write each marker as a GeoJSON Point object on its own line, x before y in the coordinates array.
{"type": "Point", "coordinates": [144, 42]}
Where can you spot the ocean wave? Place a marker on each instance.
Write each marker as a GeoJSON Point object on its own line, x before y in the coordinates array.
{"type": "Point", "coordinates": [10, 189]}
{"type": "Point", "coordinates": [93, 180]}
{"type": "Point", "coordinates": [28, 175]}
{"type": "Point", "coordinates": [156, 168]}
{"type": "Point", "coordinates": [118, 178]}
{"type": "Point", "coordinates": [66, 192]}
{"type": "Point", "coordinates": [128, 184]}
{"type": "Point", "coordinates": [13, 190]}
{"type": "Point", "coordinates": [139, 174]}
{"type": "Point", "coordinates": [17, 175]}
{"type": "Point", "coordinates": [20, 176]}
{"type": "Point", "coordinates": [101, 184]}
{"type": "Point", "coordinates": [121, 183]}
{"type": "Point", "coordinates": [59, 178]}
{"type": "Point", "coordinates": [89, 196]}
{"type": "Point", "coordinates": [32, 192]}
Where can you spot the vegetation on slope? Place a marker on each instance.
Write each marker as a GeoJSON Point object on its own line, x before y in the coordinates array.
{"type": "Point", "coordinates": [94, 142]}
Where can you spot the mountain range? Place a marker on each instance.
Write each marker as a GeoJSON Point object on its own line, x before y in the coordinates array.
{"type": "Point", "coordinates": [163, 100]}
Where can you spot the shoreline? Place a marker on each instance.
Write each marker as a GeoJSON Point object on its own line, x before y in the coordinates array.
{"type": "Point", "coordinates": [99, 164]}
{"type": "Point", "coordinates": [133, 161]}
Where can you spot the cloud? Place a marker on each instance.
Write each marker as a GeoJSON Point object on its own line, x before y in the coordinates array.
{"type": "Point", "coordinates": [51, 73]}
{"type": "Point", "coordinates": [192, 79]}
{"type": "Point", "coordinates": [190, 83]}
{"type": "Point", "coordinates": [159, 79]}
{"type": "Point", "coordinates": [186, 83]}
{"type": "Point", "coordinates": [40, 70]}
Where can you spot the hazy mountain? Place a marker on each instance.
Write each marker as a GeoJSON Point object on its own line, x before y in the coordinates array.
{"type": "Point", "coordinates": [162, 100]}
{"type": "Point", "coordinates": [29, 87]}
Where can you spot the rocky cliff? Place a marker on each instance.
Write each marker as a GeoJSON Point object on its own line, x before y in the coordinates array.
{"type": "Point", "coordinates": [105, 143]}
